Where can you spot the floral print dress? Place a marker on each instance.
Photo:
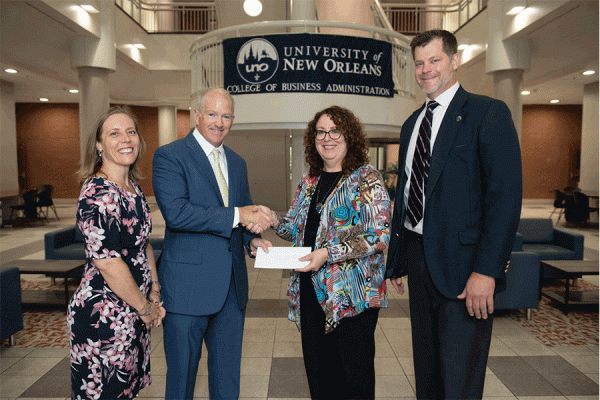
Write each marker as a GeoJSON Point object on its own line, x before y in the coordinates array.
{"type": "Point", "coordinates": [110, 345]}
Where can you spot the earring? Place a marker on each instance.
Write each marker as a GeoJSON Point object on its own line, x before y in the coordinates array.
{"type": "Point", "coordinates": [99, 153]}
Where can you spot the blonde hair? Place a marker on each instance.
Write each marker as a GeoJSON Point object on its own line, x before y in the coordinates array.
{"type": "Point", "coordinates": [92, 160]}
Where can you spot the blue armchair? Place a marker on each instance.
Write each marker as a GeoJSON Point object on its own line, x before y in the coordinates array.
{"type": "Point", "coordinates": [522, 283]}
{"type": "Point", "coordinates": [538, 235]}
{"type": "Point", "coordinates": [11, 315]}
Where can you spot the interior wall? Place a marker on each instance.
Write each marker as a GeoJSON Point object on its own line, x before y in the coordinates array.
{"type": "Point", "coordinates": [550, 148]}
{"type": "Point", "coordinates": [48, 145]}
{"type": "Point", "coordinates": [268, 174]}
{"type": "Point", "coordinates": [48, 150]}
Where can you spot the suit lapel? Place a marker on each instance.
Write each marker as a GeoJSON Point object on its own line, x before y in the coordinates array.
{"type": "Point", "coordinates": [406, 133]}
{"type": "Point", "coordinates": [203, 164]}
{"type": "Point", "coordinates": [445, 138]}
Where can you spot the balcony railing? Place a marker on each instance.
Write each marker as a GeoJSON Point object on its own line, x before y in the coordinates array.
{"type": "Point", "coordinates": [207, 50]}
{"type": "Point", "coordinates": [198, 17]}
{"type": "Point", "coordinates": [414, 18]}
{"type": "Point", "coordinates": [194, 17]}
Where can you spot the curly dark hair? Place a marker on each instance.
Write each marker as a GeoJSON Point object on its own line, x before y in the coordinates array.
{"type": "Point", "coordinates": [356, 141]}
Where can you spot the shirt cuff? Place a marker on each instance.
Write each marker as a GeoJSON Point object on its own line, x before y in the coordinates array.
{"type": "Point", "coordinates": [236, 217]}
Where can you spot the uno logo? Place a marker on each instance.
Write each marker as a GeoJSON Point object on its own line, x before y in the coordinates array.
{"type": "Point", "coordinates": [257, 61]}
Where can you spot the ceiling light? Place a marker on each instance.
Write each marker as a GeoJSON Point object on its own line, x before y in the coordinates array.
{"type": "Point", "coordinates": [252, 7]}
{"type": "Point", "coordinates": [525, 92]}
{"type": "Point", "coordinates": [590, 72]}
{"type": "Point", "coordinates": [89, 8]}
{"type": "Point", "coordinates": [73, 91]}
{"type": "Point", "coordinates": [10, 70]}
{"type": "Point", "coordinates": [554, 101]}
{"type": "Point", "coordinates": [43, 99]}
{"type": "Point", "coordinates": [515, 10]}
{"type": "Point", "coordinates": [139, 46]}
{"type": "Point", "coordinates": [463, 46]}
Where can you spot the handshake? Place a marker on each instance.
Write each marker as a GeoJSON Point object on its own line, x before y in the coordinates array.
{"type": "Point", "coordinates": [256, 219]}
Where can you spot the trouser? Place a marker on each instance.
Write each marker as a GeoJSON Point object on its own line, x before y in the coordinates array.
{"type": "Point", "coordinates": [183, 337]}
{"type": "Point", "coordinates": [340, 364]}
{"type": "Point", "coordinates": [450, 348]}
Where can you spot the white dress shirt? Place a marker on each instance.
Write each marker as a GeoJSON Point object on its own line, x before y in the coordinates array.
{"type": "Point", "coordinates": [208, 149]}
{"type": "Point", "coordinates": [444, 101]}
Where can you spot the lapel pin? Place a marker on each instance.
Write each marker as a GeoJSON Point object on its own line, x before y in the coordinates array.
{"type": "Point", "coordinates": [458, 118]}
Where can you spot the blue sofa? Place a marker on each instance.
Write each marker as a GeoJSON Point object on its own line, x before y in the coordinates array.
{"type": "Point", "coordinates": [11, 315]}
{"type": "Point", "coordinates": [67, 244]}
{"type": "Point", "coordinates": [522, 283]}
{"type": "Point", "coordinates": [538, 235]}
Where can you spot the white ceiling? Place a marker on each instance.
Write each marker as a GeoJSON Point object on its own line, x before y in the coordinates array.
{"type": "Point", "coordinates": [37, 44]}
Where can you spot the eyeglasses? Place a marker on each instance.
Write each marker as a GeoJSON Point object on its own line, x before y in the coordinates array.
{"type": "Point", "coordinates": [333, 134]}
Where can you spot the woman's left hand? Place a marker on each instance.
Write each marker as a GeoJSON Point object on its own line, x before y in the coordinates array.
{"type": "Point", "coordinates": [317, 258]}
{"type": "Point", "coordinates": [154, 297]}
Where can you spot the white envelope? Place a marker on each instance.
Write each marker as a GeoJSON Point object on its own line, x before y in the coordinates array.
{"type": "Point", "coordinates": [281, 257]}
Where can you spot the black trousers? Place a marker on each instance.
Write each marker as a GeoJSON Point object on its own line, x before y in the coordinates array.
{"type": "Point", "coordinates": [340, 364]}
{"type": "Point", "coordinates": [450, 348]}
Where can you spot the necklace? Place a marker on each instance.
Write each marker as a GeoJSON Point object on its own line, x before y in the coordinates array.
{"type": "Point", "coordinates": [125, 185]}
{"type": "Point", "coordinates": [321, 201]}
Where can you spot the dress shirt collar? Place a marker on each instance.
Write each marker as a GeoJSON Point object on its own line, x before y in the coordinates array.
{"type": "Point", "coordinates": [445, 98]}
{"type": "Point", "coordinates": [206, 146]}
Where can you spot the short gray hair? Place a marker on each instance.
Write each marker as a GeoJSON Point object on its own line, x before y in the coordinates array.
{"type": "Point", "coordinates": [204, 92]}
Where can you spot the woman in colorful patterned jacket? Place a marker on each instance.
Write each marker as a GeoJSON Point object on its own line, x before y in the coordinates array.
{"type": "Point", "coordinates": [341, 210]}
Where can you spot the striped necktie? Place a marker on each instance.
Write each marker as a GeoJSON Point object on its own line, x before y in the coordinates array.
{"type": "Point", "coordinates": [220, 177]}
{"type": "Point", "coordinates": [420, 167]}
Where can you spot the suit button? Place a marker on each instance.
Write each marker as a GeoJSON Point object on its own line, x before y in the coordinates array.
{"type": "Point", "coordinates": [397, 234]}
{"type": "Point", "coordinates": [229, 249]}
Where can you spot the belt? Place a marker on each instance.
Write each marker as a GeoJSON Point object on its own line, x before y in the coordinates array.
{"type": "Point", "coordinates": [412, 236]}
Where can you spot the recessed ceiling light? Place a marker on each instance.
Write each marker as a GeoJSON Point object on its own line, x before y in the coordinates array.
{"type": "Point", "coordinates": [10, 70]}
{"type": "Point", "coordinates": [589, 72]}
{"type": "Point", "coordinates": [515, 10]}
{"type": "Point", "coordinates": [525, 92]}
{"type": "Point", "coordinates": [73, 91]}
{"type": "Point", "coordinates": [139, 46]}
{"type": "Point", "coordinates": [89, 8]}
{"type": "Point", "coordinates": [43, 99]}
{"type": "Point", "coordinates": [554, 101]}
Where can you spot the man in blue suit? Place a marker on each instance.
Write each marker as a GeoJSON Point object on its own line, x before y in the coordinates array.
{"type": "Point", "coordinates": [457, 209]}
{"type": "Point", "coordinates": [201, 188]}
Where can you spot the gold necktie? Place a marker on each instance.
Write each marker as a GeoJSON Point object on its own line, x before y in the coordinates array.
{"type": "Point", "coordinates": [220, 177]}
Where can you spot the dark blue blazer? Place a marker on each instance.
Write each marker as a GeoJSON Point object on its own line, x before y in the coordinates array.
{"type": "Point", "coordinates": [473, 195]}
{"type": "Point", "coordinates": [201, 248]}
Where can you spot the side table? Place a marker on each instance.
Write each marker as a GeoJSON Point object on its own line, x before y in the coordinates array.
{"type": "Point", "coordinates": [571, 269]}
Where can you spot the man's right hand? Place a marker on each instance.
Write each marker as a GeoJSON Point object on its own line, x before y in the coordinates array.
{"type": "Point", "coordinates": [255, 218]}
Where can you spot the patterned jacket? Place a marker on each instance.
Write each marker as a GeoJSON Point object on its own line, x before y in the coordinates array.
{"type": "Point", "coordinates": [355, 229]}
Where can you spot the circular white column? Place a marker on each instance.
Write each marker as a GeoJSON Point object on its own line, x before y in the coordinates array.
{"type": "Point", "coordinates": [167, 124]}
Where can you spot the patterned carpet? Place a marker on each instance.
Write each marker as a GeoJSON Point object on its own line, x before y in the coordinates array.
{"type": "Point", "coordinates": [46, 328]}
{"type": "Point", "coordinates": [553, 328]}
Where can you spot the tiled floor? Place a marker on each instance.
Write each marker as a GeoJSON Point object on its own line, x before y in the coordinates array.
{"type": "Point", "coordinates": [519, 367]}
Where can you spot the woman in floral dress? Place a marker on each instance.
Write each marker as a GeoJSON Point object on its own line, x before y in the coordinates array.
{"type": "Point", "coordinates": [118, 300]}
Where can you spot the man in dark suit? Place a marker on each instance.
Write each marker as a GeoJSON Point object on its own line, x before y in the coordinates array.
{"type": "Point", "coordinates": [202, 190]}
{"type": "Point", "coordinates": [456, 213]}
